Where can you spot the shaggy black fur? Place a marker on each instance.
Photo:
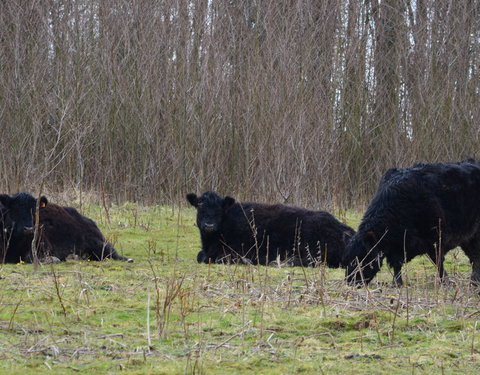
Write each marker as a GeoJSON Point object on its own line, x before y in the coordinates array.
{"type": "Point", "coordinates": [65, 231]}
{"type": "Point", "coordinates": [426, 209]}
{"type": "Point", "coordinates": [262, 233]}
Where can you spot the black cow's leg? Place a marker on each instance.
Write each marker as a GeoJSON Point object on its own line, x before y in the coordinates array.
{"type": "Point", "coordinates": [438, 260]}
{"type": "Point", "coordinates": [473, 253]}
{"type": "Point", "coordinates": [202, 257]}
{"type": "Point", "coordinates": [475, 278]}
{"type": "Point", "coordinates": [397, 275]}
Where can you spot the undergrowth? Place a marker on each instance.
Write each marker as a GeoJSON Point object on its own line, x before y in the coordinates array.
{"type": "Point", "coordinates": [166, 314]}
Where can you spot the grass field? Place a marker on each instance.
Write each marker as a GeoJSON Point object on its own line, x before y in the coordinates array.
{"type": "Point", "coordinates": [166, 314]}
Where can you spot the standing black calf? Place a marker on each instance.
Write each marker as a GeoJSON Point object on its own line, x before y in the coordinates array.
{"type": "Point", "coordinates": [262, 233]}
{"type": "Point", "coordinates": [63, 231]}
{"type": "Point", "coordinates": [426, 209]}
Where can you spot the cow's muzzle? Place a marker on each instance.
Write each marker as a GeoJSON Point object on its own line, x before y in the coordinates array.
{"type": "Point", "coordinates": [209, 228]}
{"type": "Point", "coordinates": [28, 230]}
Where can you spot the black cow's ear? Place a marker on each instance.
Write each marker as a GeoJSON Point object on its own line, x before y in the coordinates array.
{"type": "Point", "coordinates": [43, 201]}
{"type": "Point", "coordinates": [5, 199]}
{"type": "Point", "coordinates": [192, 199]}
{"type": "Point", "coordinates": [227, 202]}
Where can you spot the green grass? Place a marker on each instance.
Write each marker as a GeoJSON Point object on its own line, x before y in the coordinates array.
{"type": "Point", "coordinates": [166, 314]}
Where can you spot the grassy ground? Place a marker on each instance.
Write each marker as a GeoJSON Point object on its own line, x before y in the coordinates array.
{"type": "Point", "coordinates": [166, 314]}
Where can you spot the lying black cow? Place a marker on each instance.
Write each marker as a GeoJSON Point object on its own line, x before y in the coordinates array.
{"type": "Point", "coordinates": [17, 226]}
{"type": "Point", "coordinates": [262, 233]}
{"type": "Point", "coordinates": [426, 209]}
{"type": "Point", "coordinates": [63, 231]}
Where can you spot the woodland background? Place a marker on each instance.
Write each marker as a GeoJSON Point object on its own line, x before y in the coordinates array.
{"type": "Point", "coordinates": [301, 102]}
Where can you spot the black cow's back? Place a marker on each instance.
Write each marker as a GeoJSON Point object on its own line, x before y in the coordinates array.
{"type": "Point", "coordinates": [65, 231]}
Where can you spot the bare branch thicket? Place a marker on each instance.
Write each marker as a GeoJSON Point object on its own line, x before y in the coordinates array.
{"type": "Point", "coordinates": [304, 103]}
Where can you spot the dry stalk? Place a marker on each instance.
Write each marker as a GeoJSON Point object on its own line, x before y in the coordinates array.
{"type": "Point", "coordinates": [36, 231]}
{"type": "Point", "coordinates": [472, 346]}
{"type": "Point", "coordinates": [57, 289]}
{"type": "Point", "coordinates": [149, 338]}
{"type": "Point", "coordinates": [395, 315]}
{"type": "Point", "coordinates": [10, 323]}
{"type": "Point", "coordinates": [163, 307]}
{"type": "Point", "coordinates": [406, 284]}
{"type": "Point", "coordinates": [177, 236]}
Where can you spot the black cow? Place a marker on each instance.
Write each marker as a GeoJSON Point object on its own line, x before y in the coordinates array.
{"type": "Point", "coordinates": [62, 231]}
{"type": "Point", "coordinates": [429, 209]}
{"type": "Point", "coordinates": [262, 233]}
{"type": "Point", "coordinates": [17, 226]}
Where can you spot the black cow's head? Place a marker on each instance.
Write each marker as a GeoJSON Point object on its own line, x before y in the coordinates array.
{"type": "Point", "coordinates": [211, 209]}
{"type": "Point", "coordinates": [362, 258]}
{"type": "Point", "coordinates": [19, 213]}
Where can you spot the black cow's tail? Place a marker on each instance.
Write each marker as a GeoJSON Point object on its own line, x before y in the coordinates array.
{"type": "Point", "coordinates": [108, 251]}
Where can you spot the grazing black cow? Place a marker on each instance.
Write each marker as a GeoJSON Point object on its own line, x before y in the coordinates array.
{"type": "Point", "coordinates": [262, 233]}
{"type": "Point", "coordinates": [63, 232]}
{"type": "Point", "coordinates": [429, 208]}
